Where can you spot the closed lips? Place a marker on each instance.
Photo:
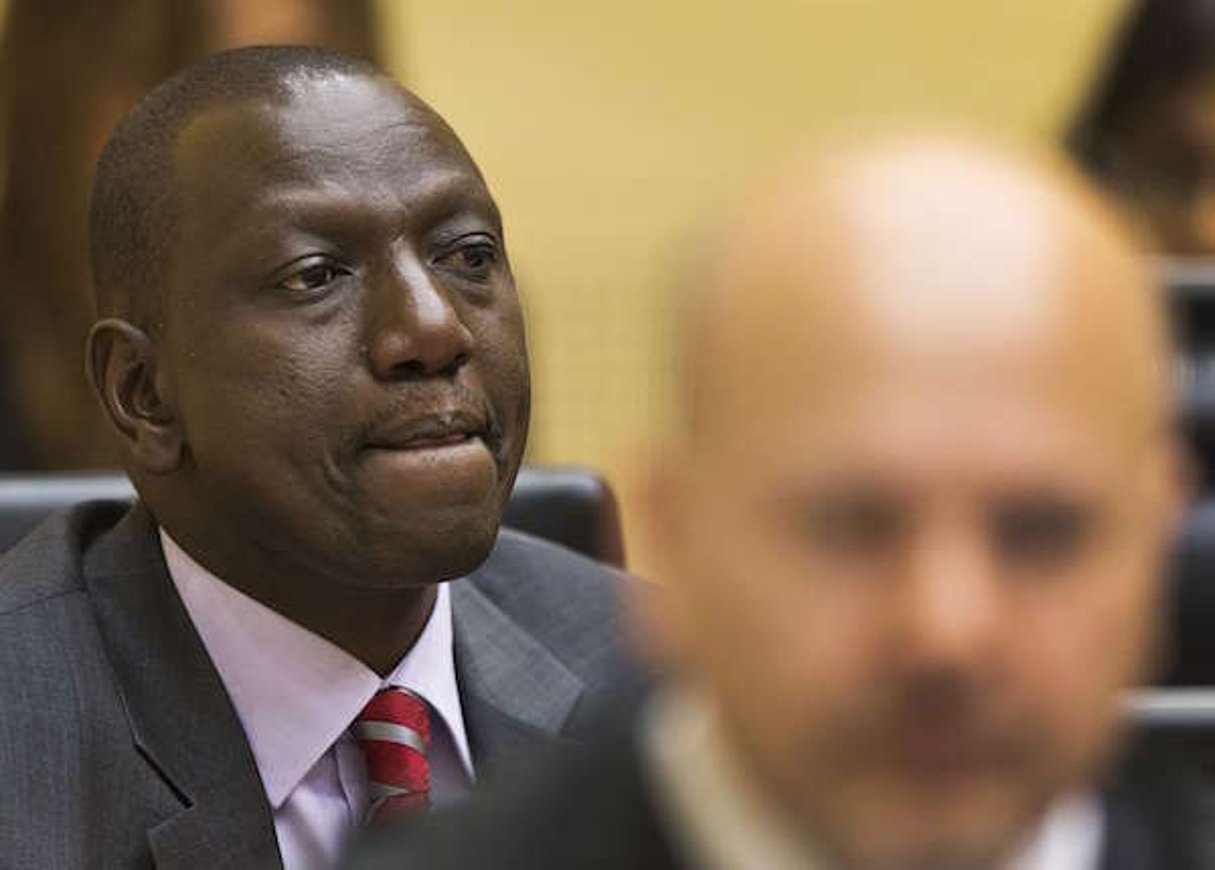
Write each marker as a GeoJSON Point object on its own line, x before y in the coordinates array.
{"type": "Point", "coordinates": [429, 431]}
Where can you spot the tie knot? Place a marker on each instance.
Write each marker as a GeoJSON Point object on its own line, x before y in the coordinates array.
{"type": "Point", "coordinates": [394, 731]}
{"type": "Point", "coordinates": [397, 707]}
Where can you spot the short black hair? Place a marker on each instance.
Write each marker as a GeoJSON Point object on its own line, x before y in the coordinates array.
{"type": "Point", "coordinates": [1161, 47]}
{"type": "Point", "coordinates": [131, 212]}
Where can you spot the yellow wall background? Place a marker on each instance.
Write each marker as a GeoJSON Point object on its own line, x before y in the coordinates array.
{"type": "Point", "coordinates": [609, 130]}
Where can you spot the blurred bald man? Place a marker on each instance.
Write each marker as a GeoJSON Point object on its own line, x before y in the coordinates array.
{"type": "Point", "coordinates": [914, 521]}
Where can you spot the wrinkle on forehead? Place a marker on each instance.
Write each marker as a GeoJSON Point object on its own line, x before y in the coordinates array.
{"type": "Point", "coordinates": [341, 138]}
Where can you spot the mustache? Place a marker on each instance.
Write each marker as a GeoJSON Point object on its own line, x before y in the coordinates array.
{"type": "Point", "coordinates": [452, 405]}
{"type": "Point", "coordinates": [937, 694]}
{"type": "Point", "coordinates": [929, 699]}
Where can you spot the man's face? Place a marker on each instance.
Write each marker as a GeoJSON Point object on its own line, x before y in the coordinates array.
{"type": "Point", "coordinates": [916, 599]}
{"type": "Point", "coordinates": [342, 341]}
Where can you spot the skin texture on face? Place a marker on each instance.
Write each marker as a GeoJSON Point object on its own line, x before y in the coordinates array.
{"type": "Point", "coordinates": [339, 375]}
{"type": "Point", "coordinates": [915, 519]}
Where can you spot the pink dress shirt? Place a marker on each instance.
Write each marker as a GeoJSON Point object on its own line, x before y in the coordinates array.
{"type": "Point", "coordinates": [296, 695]}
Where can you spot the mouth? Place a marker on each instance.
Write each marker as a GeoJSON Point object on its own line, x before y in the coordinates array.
{"type": "Point", "coordinates": [433, 431]}
{"type": "Point", "coordinates": [952, 752]}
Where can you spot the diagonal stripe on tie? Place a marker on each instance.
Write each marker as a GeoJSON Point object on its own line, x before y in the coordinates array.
{"type": "Point", "coordinates": [389, 732]}
{"type": "Point", "coordinates": [379, 791]}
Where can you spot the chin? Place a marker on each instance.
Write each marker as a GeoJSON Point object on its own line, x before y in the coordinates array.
{"type": "Point", "coordinates": [938, 850]}
{"type": "Point", "coordinates": [892, 823]}
{"type": "Point", "coordinates": [426, 554]}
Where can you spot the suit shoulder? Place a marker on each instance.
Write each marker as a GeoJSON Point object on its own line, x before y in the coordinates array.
{"type": "Point", "coordinates": [518, 557]}
{"type": "Point", "coordinates": [570, 604]}
{"type": "Point", "coordinates": [48, 562]}
{"type": "Point", "coordinates": [537, 581]}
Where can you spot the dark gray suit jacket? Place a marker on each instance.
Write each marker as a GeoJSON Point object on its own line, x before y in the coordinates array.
{"type": "Point", "coordinates": [591, 807]}
{"type": "Point", "coordinates": [120, 748]}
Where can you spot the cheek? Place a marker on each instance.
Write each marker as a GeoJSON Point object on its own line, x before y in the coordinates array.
{"type": "Point", "coordinates": [265, 402]}
{"type": "Point", "coordinates": [503, 361]}
{"type": "Point", "coordinates": [1077, 650]}
{"type": "Point", "coordinates": [788, 651]}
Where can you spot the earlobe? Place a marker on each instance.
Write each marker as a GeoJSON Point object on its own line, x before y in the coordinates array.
{"type": "Point", "coordinates": [121, 362]}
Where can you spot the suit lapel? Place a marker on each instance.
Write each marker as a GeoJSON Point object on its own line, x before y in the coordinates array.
{"type": "Point", "coordinates": [181, 718]}
{"type": "Point", "coordinates": [1160, 811]}
{"type": "Point", "coordinates": [517, 696]}
{"type": "Point", "coordinates": [1127, 842]}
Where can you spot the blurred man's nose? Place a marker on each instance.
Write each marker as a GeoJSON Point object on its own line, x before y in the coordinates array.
{"type": "Point", "coordinates": [948, 610]}
{"type": "Point", "coordinates": [416, 331]}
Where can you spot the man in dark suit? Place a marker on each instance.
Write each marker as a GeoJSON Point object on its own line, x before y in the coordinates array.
{"type": "Point", "coordinates": [312, 353]}
{"type": "Point", "coordinates": [915, 522]}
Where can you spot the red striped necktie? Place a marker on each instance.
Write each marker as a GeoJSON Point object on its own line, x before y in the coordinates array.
{"type": "Point", "coordinates": [394, 732]}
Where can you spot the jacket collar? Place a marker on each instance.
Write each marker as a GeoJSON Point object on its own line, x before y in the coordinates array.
{"type": "Point", "coordinates": [517, 695]}
{"type": "Point", "coordinates": [180, 716]}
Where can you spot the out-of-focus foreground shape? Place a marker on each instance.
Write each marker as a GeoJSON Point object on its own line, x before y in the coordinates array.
{"type": "Point", "coordinates": [924, 486]}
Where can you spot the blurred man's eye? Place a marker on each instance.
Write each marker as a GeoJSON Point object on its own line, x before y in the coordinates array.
{"type": "Point", "coordinates": [853, 526]}
{"type": "Point", "coordinates": [1042, 532]}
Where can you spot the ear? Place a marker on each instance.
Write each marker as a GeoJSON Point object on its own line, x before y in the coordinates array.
{"type": "Point", "coordinates": [1173, 484]}
{"type": "Point", "coordinates": [121, 364]}
{"type": "Point", "coordinates": [656, 609]}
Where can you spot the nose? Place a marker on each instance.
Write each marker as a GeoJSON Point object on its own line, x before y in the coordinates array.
{"type": "Point", "coordinates": [415, 330]}
{"type": "Point", "coordinates": [950, 607]}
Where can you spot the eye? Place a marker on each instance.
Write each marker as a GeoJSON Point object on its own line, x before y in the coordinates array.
{"type": "Point", "coordinates": [311, 276]}
{"type": "Point", "coordinates": [1043, 532]}
{"type": "Point", "coordinates": [473, 259]}
{"type": "Point", "coordinates": [853, 525]}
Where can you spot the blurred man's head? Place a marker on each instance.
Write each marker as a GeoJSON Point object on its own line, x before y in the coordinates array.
{"type": "Point", "coordinates": [312, 349]}
{"type": "Point", "coordinates": [916, 514]}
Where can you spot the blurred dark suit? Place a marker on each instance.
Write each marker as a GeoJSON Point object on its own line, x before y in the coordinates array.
{"type": "Point", "coordinates": [119, 747]}
{"type": "Point", "coordinates": [593, 809]}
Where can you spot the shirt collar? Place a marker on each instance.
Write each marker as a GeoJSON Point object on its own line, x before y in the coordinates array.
{"type": "Point", "coordinates": [716, 813]}
{"type": "Point", "coordinates": [295, 692]}
{"type": "Point", "coordinates": [710, 805]}
{"type": "Point", "coordinates": [1070, 836]}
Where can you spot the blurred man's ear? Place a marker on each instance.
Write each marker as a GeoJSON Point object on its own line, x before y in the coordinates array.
{"type": "Point", "coordinates": [121, 364]}
{"type": "Point", "coordinates": [1171, 483]}
{"type": "Point", "coordinates": [656, 614]}
{"type": "Point", "coordinates": [1177, 482]}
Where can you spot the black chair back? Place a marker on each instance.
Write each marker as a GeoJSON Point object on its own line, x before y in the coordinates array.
{"type": "Point", "coordinates": [573, 507]}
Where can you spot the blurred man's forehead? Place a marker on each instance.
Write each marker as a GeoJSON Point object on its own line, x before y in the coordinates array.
{"type": "Point", "coordinates": [928, 256]}
{"type": "Point", "coordinates": [920, 436]}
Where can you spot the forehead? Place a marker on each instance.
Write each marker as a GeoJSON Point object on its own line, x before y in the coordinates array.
{"type": "Point", "coordinates": [339, 142]}
{"type": "Point", "coordinates": [926, 424]}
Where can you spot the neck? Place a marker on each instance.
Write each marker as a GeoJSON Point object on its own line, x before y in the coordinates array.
{"type": "Point", "coordinates": [378, 626]}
